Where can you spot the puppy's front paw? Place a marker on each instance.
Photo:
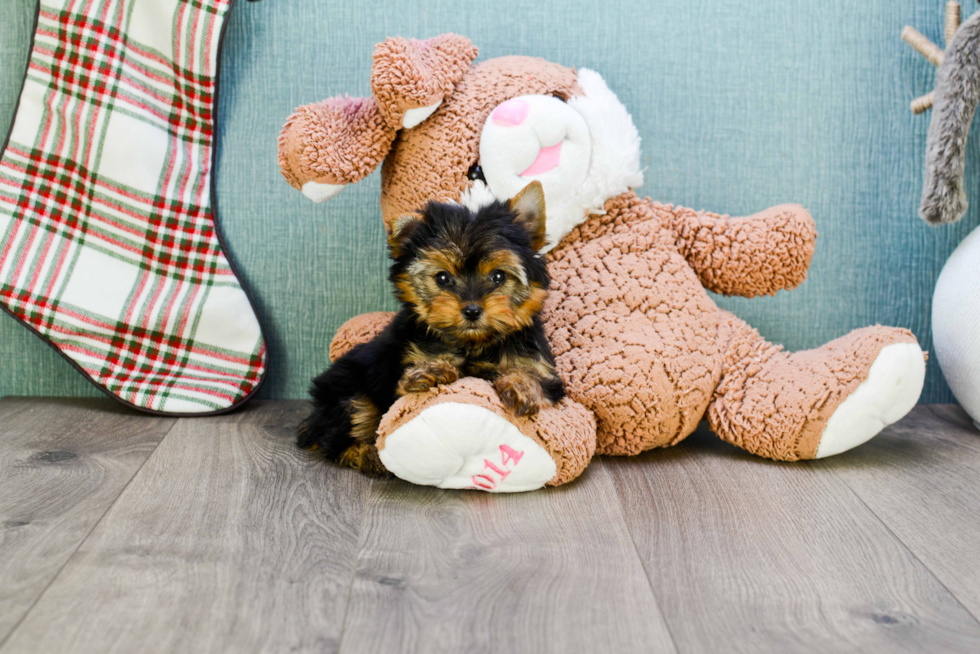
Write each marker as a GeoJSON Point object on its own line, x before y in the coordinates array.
{"type": "Point", "coordinates": [415, 380]}
{"type": "Point", "coordinates": [420, 379]}
{"type": "Point", "coordinates": [520, 393]}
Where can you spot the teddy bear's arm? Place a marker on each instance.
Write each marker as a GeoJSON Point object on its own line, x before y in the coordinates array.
{"type": "Point", "coordinates": [748, 256]}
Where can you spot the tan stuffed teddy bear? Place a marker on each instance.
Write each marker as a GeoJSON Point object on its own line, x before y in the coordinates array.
{"type": "Point", "coordinates": [644, 351]}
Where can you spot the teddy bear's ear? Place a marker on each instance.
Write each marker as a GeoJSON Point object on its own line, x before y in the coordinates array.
{"type": "Point", "coordinates": [327, 145]}
{"type": "Point", "coordinates": [410, 78]}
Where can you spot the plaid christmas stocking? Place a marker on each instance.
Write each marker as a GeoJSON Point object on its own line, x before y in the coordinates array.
{"type": "Point", "coordinates": [108, 245]}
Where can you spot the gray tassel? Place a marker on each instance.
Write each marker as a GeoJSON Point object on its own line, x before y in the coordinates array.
{"type": "Point", "coordinates": [957, 93]}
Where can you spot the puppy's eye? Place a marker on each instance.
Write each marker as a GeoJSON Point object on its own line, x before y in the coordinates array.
{"type": "Point", "coordinates": [476, 172]}
{"type": "Point", "coordinates": [498, 277]}
{"type": "Point", "coordinates": [443, 279]}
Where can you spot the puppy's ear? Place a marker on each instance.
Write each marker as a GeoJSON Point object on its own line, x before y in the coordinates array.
{"type": "Point", "coordinates": [529, 207]}
{"type": "Point", "coordinates": [402, 228]}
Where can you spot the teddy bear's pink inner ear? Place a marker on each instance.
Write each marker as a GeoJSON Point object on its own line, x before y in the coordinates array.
{"type": "Point", "coordinates": [332, 143]}
{"type": "Point", "coordinates": [410, 78]}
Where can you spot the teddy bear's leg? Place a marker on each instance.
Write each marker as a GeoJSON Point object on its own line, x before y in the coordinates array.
{"type": "Point", "coordinates": [460, 436]}
{"type": "Point", "coordinates": [816, 403]}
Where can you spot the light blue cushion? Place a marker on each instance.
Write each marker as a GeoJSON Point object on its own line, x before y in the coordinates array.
{"type": "Point", "coordinates": [740, 105]}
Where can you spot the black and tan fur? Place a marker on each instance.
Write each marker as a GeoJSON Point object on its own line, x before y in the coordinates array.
{"type": "Point", "coordinates": [471, 288]}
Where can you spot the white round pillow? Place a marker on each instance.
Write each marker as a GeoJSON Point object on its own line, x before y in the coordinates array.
{"type": "Point", "coordinates": [956, 323]}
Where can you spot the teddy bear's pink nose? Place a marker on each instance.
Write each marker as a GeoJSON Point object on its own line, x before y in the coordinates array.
{"type": "Point", "coordinates": [511, 113]}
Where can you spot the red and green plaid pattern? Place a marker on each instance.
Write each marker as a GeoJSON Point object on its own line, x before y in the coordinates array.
{"type": "Point", "coordinates": [107, 241]}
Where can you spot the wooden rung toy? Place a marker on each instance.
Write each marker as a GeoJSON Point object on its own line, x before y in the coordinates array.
{"type": "Point", "coordinates": [932, 52]}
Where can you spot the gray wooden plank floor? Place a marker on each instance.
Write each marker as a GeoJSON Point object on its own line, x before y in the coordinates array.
{"type": "Point", "coordinates": [228, 539]}
{"type": "Point", "coordinates": [62, 465]}
{"type": "Point", "coordinates": [760, 556]}
{"type": "Point", "coordinates": [457, 572]}
{"type": "Point", "coordinates": [926, 490]}
{"type": "Point", "coordinates": [122, 533]}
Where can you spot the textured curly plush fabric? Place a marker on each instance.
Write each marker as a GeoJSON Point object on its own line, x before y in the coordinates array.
{"type": "Point", "coordinates": [342, 139]}
{"type": "Point", "coordinates": [409, 74]}
{"type": "Point", "coordinates": [756, 255]}
{"type": "Point", "coordinates": [776, 403]}
{"type": "Point", "coordinates": [431, 161]}
{"type": "Point", "coordinates": [633, 333]}
{"type": "Point", "coordinates": [359, 329]}
{"type": "Point", "coordinates": [636, 337]}
{"type": "Point", "coordinates": [349, 138]}
{"type": "Point", "coordinates": [566, 431]}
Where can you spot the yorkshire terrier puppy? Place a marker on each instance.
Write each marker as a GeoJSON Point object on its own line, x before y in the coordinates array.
{"type": "Point", "coordinates": [471, 288]}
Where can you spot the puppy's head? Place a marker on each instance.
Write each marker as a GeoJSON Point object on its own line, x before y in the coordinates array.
{"type": "Point", "coordinates": [473, 277]}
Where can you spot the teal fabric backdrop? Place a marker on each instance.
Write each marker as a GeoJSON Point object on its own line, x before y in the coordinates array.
{"type": "Point", "coordinates": [740, 106]}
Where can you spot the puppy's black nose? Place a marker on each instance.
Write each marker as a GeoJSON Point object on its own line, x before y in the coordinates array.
{"type": "Point", "coordinates": [472, 312]}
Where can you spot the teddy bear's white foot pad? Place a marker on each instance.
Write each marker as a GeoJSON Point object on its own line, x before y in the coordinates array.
{"type": "Point", "coordinates": [453, 445]}
{"type": "Point", "coordinates": [321, 192]}
{"type": "Point", "coordinates": [892, 388]}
